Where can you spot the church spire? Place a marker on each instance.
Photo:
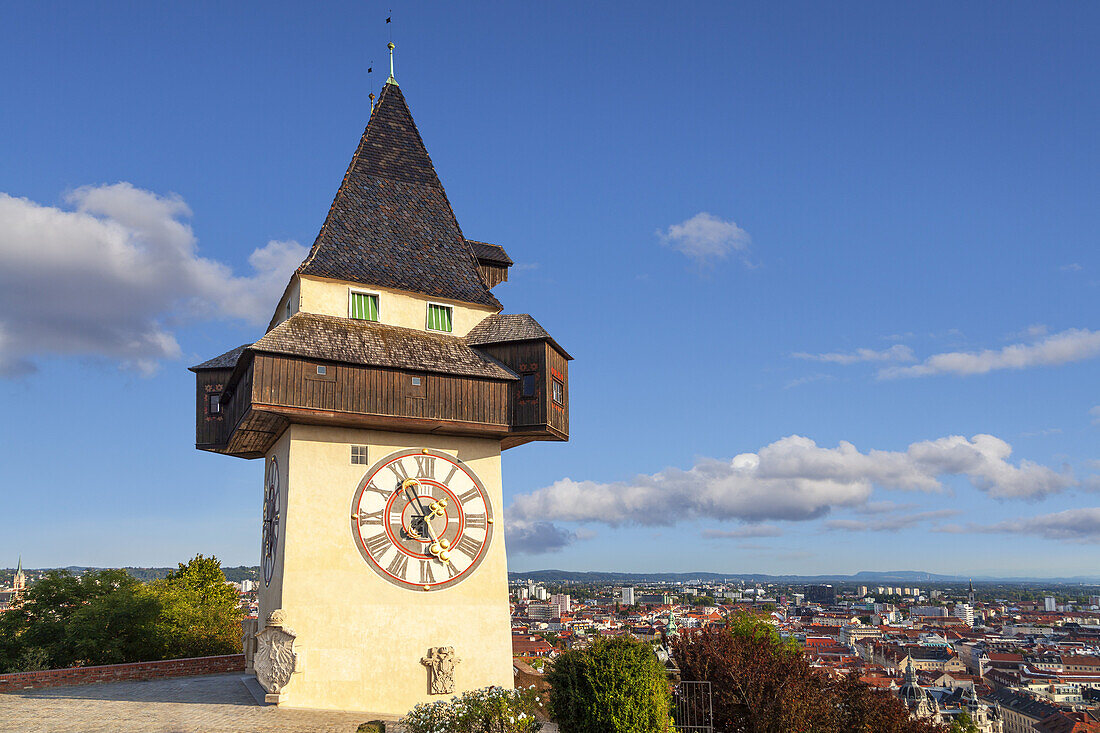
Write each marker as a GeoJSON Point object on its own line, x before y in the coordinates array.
{"type": "Point", "coordinates": [391, 80]}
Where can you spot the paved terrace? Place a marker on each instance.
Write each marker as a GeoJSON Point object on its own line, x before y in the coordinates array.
{"type": "Point", "coordinates": [209, 704]}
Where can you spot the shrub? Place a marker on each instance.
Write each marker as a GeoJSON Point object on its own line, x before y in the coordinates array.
{"type": "Point", "coordinates": [488, 710]}
{"type": "Point", "coordinates": [613, 686]}
{"type": "Point", "coordinates": [764, 684]}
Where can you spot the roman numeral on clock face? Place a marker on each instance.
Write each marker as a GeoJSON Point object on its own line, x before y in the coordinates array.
{"type": "Point", "coordinates": [377, 545]}
{"type": "Point", "coordinates": [371, 517]}
{"type": "Point", "coordinates": [399, 564]}
{"type": "Point", "coordinates": [425, 466]}
{"type": "Point", "coordinates": [468, 547]}
{"type": "Point", "coordinates": [398, 470]}
{"type": "Point", "coordinates": [475, 520]}
{"type": "Point", "coordinates": [469, 495]}
{"type": "Point", "coordinates": [381, 492]}
{"type": "Point", "coordinates": [426, 574]}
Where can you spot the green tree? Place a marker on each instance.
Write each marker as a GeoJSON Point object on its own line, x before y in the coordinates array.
{"type": "Point", "coordinates": [964, 724]}
{"type": "Point", "coordinates": [614, 686]}
{"type": "Point", "coordinates": [200, 613]}
{"type": "Point", "coordinates": [98, 617]}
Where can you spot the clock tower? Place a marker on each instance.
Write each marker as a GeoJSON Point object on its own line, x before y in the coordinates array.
{"type": "Point", "coordinates": [379, 400]}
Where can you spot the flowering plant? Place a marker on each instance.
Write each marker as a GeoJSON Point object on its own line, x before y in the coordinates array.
{"type": "Point", "coordinates": [488, 710]}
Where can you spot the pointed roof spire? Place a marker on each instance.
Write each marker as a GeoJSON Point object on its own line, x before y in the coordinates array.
{"type": "Point", "coordinates": [19, 567]}
{"type": "Point", "coordinates": [391, 224]}
{"type": "Point", "coordinates": [391, 80]}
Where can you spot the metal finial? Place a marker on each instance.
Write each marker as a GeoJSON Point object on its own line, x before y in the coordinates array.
{"type": "Point", "coordinates": [371, 95]}
{"type": "Point", "coordinates": [391, 80]}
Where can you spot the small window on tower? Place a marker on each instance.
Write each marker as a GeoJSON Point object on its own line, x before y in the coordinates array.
{"type": "Point", "coordinates": [359, 455]}
{"type": "Point", "coordinates": [529, 383]}
{"type": "Point", "coordinates": [363, 306]}
{"type": "Point", "coordinates": [215, 404]}
{"type": "Point", "coordinates": [559, 392]}
{"type": "Point", "coordinates": [321, 369]}
{"type": "Point", "coordinates": [439, 317]}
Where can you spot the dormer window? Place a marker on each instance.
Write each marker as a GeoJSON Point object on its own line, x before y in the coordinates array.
{"type": "Point", "coordinates": [363, 306]}
{"type": "Point", "coordinates": [214, 403]}
{"type": "Point", "coordinates": [440, 317]}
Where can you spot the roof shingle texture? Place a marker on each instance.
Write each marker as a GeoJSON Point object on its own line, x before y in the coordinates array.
{"type": "Point", "coordinates": [490, 253]}
{"type": "Point", "coordinates": [391, 224]}
{"type": "Point", "coordinates": [228, 360]}
{"type": "Point", "coordinates": [317, 336]}
{"type": "Point", "coordinates": [502, 327]}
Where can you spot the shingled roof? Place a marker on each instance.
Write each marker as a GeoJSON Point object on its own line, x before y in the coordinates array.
{"type": "Point", "coordinates": [317, 336]}
{"type": "Point", "coordinates": [486, 252]}
{"type": "Point", "coordinates": [391, 224]}
{"type": "Point", "coordinates": [228, 360]}
{"type": "Point", "coordinates": [501, 328]}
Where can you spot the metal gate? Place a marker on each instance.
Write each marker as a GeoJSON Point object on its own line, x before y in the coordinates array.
{"type": "Point", "coordinates": [693, 710]}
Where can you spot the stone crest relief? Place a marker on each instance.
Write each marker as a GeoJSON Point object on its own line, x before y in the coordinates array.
{"type": "Point", "coordinates": [275, 659]}
{"type": "Point", "coordinates": [441, 661]}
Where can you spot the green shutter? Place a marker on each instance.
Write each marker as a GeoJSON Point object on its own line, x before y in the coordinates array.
{"type": "Point", "coordinates": [439, 318]}
{"type": "Point", "coordinates": [364, 306]}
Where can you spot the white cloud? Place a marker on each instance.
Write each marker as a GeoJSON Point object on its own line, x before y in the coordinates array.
{"type": "Point", "coordinates": [1071, 267]}
{"type": "Point", "coordinates": [1060, 348]}
{"type": "Point", "coordinates": [890, 524]}
{"type": "Point", "coordinates": [898, 352]}
{"type": "Point", "coordinates": [791, 479]}
{"type": "Point", "coordinates": [751, 530]}
{"type": "Point", "coordinates": [105, 276]}
{"type": "Point", "coordinates": [535, 538]}
{"type": "Point", "coordinates": [1074, 525]}
{"type": "Point", "coordinates": [706, 238]}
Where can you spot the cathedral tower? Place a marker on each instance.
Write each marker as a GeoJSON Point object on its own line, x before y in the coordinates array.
{"type": "Point", "coordinates": [380, 399]}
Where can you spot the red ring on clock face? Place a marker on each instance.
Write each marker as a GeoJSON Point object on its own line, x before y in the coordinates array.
{"type": "Point", "coordinates": [383, 519]}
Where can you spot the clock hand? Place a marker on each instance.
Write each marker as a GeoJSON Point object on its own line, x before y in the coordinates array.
{"type": "Point", "coordinates": [437, 548]}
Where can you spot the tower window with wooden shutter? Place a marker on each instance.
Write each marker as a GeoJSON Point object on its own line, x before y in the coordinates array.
{"type": "Point", "coordinates": [440, 317]}
{"type": "Point", "coordinates": [363, 306]}
{"type": "Point", "coordinates": [559, 391]}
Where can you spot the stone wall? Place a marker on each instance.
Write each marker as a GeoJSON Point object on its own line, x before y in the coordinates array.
{"type": "Point", "coordinates": [19, 681]}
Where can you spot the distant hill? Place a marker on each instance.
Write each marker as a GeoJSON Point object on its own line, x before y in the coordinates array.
{"type": "Point", "coordinates": [233, 574]}
{"type": "Point", "coordinates": [865, 577]}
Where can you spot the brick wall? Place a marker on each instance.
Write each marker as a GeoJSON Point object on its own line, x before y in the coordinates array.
{"type": "Point", "coordinates": [120, 672]}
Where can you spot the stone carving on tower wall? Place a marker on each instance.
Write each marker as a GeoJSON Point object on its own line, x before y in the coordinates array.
{"type": "Point", "coordinates": [249, 627]}
{"type": "Point", "coordinates": [275, 659]}
{"type": "Point", "coordinates": [441, 661]}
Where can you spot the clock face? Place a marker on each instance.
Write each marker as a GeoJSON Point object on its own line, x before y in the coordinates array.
{"type": "Point", "coordinates": [422, 519]}
{"type": "Point", "coordinates": [271, 519]}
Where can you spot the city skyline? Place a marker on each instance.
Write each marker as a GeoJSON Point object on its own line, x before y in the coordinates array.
{"type": "Point", "coordinates": [822, 270]}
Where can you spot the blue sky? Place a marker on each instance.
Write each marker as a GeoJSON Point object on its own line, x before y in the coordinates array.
{"type": "Point", "coordinates": [714, 208]}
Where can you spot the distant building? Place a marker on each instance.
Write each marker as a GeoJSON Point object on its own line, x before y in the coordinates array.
{"type": "Point", "coordinates": [927, 611]}
{"type": "Point", "coordinates": [655, 599]}
{"type": "Point", "coordinates": [20, 583]}
{"type": "Point", "coordinates": [825, 594]}
{"type": "Point", "coordinates": [628, 596]}
{"type": "Point", "coordinates": [1049, 604]}
{"type": "Point", "coordinates": [966, 612]}
{"type": "Point", "coordinates": [542, 611]}
{"type": "Point", "coordinates": [563, 603]}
